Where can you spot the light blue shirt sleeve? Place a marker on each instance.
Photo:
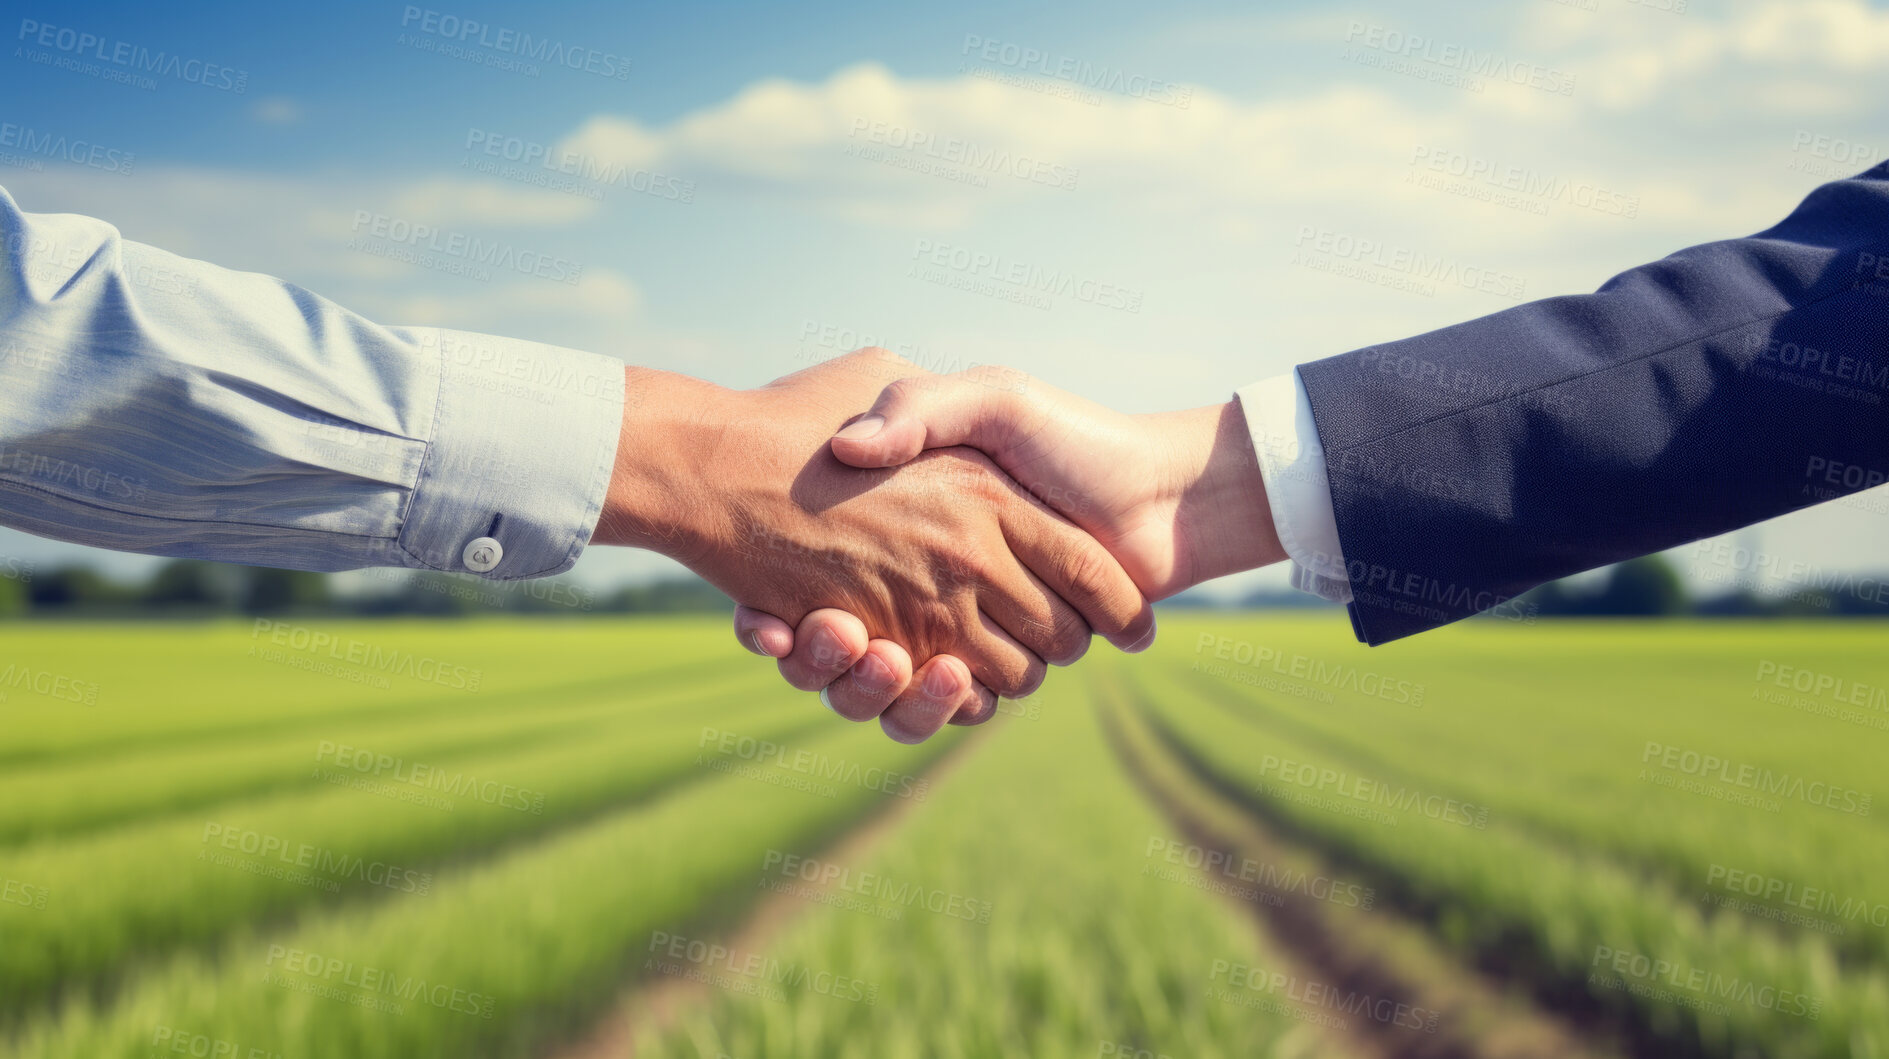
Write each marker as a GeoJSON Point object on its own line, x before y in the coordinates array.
{"type": "Point", "coordinates": [1292, 463]}
{"type": "Point", "coordinates": [152, 403]}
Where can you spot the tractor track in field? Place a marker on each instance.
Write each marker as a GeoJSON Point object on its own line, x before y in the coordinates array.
{"type": "Point", "coordinates": [1277, 717]}
{"type": "Point", "coordinates": [105, 989]}
{"type": "Point", "coordinates": [658, 1003]}
{"type": "Point", "coordinates": [1457, 1011]}
{"type": "Point", "coordinates": [1515, 961]}
{"type": "Point", "coordinates": [1851, 950]}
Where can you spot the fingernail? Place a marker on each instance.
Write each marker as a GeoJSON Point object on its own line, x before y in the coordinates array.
{"type": "Point", "coordinates": [940, 684]}
{"type": "Point", "coordinates": [1142, 644]}
{"type": "Point", "coordinates": [828, 651]}
{"type": "Point", "coordinates": [872, 675]}
{"type": "Point", "coordinates": [865, 428]}
{"type": "Point", "coordinates": [827, 701]}
{"type": "Point", "coordinates": [754, 639]}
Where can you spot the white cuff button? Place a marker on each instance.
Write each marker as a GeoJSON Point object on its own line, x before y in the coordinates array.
{"type": "Point", "coordinates": [483, 554]}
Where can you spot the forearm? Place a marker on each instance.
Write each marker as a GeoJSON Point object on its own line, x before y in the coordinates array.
{"type": "Point", "coordinates": [157, 404]}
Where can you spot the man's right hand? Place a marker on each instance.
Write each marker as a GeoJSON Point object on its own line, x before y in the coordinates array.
{"type": "Point", "coordinates": [945, 557]}
{"type": "Point", "coordinates": [1177, 497]}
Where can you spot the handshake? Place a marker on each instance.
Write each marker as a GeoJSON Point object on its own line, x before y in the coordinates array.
{"type": "Point", "coordinates": [913, 545]}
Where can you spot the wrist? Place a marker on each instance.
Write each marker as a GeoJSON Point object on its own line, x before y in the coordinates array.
{"type": "Point", "coordinates": [1223, 519]}
{"type": "Point", "coordinates": [672, 425]}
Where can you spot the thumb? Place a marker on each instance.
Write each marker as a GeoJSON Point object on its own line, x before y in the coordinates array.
{"type": "Point", "coordinates": [927, 412]}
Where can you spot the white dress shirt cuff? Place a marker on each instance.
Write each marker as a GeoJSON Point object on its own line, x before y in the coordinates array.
{"type": "Point", "coordinates": [1292, 462]}
{"type": "Point", "coordinates": [523, 442]}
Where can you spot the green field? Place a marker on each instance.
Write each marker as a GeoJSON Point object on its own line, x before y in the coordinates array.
{"type": "Point", "coordinates": [603, 838]}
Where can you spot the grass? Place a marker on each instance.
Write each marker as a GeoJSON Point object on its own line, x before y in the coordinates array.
{"type": "Point", "coordinates": [204, 866]}
{"type": "Point", "coordinates": [1014, 914]}
{"type": "Point", "coordinates": [1576, 857]}
{"type": "Point", "coordinates": [1491, 783]}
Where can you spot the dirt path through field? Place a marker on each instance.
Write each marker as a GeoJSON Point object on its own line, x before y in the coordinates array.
{"type": "Point", "coordinates": [1400, 996]}
{"type": "Point", "coordinates": [658, 1003]}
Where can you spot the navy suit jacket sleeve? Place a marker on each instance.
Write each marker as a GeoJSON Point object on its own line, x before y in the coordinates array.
{"type": "Point", "coordinates": [1685, 398]}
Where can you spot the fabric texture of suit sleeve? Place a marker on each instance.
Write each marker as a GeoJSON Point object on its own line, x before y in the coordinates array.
{"type": "Point", "coordinates": [1686, 398]}
{"type": "Point", "coordinates": [152, 403]}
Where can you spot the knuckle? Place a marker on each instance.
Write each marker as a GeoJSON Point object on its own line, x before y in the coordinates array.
{"type": "Point", "coordinates": [879, 355]}
{"type": "Point", "coordinates": [969, 473]}
{"type": "Point", "coordinates": [1088, 572]}
{"type": "Point", "coordinates": [878, 364]}
{"type": "Point", "coordinates": [1015, 679]}
{"type": "Point", "coordinates": [998, 379]}
{"type": "Point", "coordinates": [980, 709]}
{"type": "Point", "coordinates": [935, 618]}
{"type": "Point", "coordinates": [903, 390]}
{"type": "Point", "coordinates": [959, 569]}
{"type": "Point", "coordinates": [1069, 637]}
{"type": "Point", "coordinates": [1029, 681]}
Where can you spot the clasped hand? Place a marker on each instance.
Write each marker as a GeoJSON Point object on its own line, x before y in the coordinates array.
{"type": "Point", "coordinates": [866, 516]}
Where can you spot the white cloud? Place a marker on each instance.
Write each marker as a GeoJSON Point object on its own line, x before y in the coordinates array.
{"type": "Point", "coordinates": [1845, 34]}
{"type": "Point", "coordinates": [1695, 116]}
{"type": "Point", "coordinates": [865, 144]}
{"type": "Point", "coordinates": [870, 145]}
{"type": "Point", "coordinates": [1640, 57]}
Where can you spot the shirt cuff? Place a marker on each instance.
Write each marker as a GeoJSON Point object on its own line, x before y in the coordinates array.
{"type": "Point", "coordinates": [523, 442]}
{"type": "Point", "coordinates": [1292, 463]}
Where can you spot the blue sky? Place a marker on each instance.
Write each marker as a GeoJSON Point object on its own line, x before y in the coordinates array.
{"type": "Point", "coordinates": [339, 60]}
{"type": "Point", "coordinates": [1219, 165]}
